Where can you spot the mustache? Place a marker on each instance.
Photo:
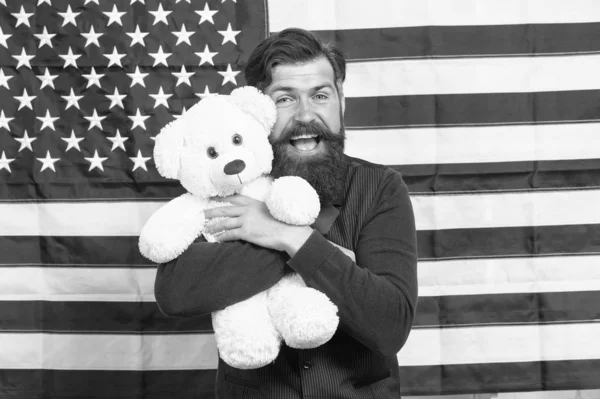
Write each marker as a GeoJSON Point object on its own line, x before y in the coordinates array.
{"type": "Point", "coordinates": [300, 128]}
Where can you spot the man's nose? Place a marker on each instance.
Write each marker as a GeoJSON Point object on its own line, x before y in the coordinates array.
{"type": "Point", "coordinates": [305, 112]}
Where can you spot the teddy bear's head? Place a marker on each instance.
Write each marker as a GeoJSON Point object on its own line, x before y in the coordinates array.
{"type": "Point", "coordinates": [219, 144]}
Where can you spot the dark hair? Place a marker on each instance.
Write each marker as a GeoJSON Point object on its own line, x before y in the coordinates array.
{"type": "Point", "coordinates": [291, 46]}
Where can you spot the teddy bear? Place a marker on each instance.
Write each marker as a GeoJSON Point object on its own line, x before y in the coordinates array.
{"type": "Point", "coordinates": [218, 148]}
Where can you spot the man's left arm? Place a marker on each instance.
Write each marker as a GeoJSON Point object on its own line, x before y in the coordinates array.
{"type": "Point", "coordinates": [377, 294]}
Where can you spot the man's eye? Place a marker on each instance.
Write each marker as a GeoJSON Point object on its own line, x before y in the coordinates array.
{"type": "Point", "coordinates": [283, 100]}
{"type": "Point", "coordinates": [237, 139]}
{"type": "Point", "coordinates": [321, 97]}
{"type": "Point", "coordinates": [212, 153]}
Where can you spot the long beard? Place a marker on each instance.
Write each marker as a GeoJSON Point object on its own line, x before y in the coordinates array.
{"type": "Point", "coordinates": [325, 172]}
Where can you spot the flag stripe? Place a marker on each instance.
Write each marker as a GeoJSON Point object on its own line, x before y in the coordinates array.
{"type": "Point", "coordinates": [67, 251]}
{"type": "Point", "coordinates": [508, 241]}
{"type": "Point", "coordinates": [509, 275]}
{"type": "Point", "coordinates": [501, 176]}
{"type": "Point", "coordinates": [476, 144]}
{"type": "Point", "coordinates": [194, 384]}
{"type": "Point", "coordinates": [501, 377]}
{"type": "Point", "coordinates": [465, 41]}
{"type": "Point", "coordinates": [461, 211]}
{"type": "Point", "coordinates": [108, 384]}
{"type": "Point", "coordinates": [122, 251]}
{"type": "Point", "coordinates": [445, 311]}
{"type": "Point", "coordinates": [471, 75]}
{"type": "Point", "coordinates": [436, 278]}
{"type": "Point", "coordinates": [472, 109]}
{"type": "Point", "coordinates": [425, 346]}
{"type": "Point", "coordinates": [355, 14]}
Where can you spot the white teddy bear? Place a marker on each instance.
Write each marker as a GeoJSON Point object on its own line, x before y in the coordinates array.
{"type": "Point", "coordinates": [218, 148]}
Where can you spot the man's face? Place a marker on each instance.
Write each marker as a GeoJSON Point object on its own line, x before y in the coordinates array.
{"type": "Point", "coordinates": [308, 136]}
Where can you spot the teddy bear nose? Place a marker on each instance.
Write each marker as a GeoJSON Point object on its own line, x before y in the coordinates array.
{"type": "Point", "coordinates": [234, 167]}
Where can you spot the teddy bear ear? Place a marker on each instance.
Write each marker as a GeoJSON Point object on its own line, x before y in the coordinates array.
{"type": "Point", "coordinates": [257, 104]}
{"type": "Point", "coordinates": [167, 150]}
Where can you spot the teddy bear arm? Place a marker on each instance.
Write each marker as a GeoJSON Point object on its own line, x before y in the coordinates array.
{"type": "Point", "coordinates": [173, 228]}
{"type": "Point", "coordinates": [292, 200]}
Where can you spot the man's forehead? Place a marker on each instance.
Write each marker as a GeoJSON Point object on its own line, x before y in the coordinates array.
{"type": "Point", "coordinates": [301, 76]}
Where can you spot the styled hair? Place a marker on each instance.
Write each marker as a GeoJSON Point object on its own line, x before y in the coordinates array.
{"type": "Point", "coordinates": [288, 47]}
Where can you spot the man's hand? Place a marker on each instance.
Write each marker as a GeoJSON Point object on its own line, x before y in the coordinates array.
{"type": "Point", "coordinates": [250, 220]}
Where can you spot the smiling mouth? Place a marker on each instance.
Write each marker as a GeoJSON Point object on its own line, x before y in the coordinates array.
{"type": "Point", "coordinates": [305, 142]}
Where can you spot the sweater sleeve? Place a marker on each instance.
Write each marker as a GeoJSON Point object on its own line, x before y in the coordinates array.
{"type": "Point", "coordinates": [376, 295]}
{"type": "Point", "coordinates": [211, 276]}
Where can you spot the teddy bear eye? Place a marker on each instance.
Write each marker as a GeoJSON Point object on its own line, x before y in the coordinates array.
{"type": "Point", "coordinates": [212, 153]}
{"type": "Point", "coordinates": [237, 139]}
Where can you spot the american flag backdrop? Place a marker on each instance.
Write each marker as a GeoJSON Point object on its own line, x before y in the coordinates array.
{"type": "Point", "coordinates": [489, 108]}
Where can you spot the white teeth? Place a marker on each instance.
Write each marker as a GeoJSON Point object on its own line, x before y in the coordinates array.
{"type": "Point", "coordinates": [305, 136]}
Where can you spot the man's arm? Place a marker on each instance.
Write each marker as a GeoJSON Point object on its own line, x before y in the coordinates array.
{"type": "Point", "coordinates": [376, 295]}
{"type": "Point", "coordinates": [211, 276]}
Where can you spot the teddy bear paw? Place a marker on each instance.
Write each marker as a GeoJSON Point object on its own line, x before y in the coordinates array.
{"type": "Point", "coordinates": [246, 337]}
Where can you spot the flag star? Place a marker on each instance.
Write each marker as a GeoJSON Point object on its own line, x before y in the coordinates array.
{"type": "Point", "coordinates": [134, 1]}
{"type": "Point", "coordinates": [138, 119]}
{"type": "Point", "coordinates": [160, 15]}
{"type": "Point", "coordinates": [160, 57]}
{"type": "Point", "coordinates": [139, 161]}
{"type": "Point", "coordinates": [228, 75]}
{"type": "Point", "coordinates": [117, 141]}
{"type": "Point", "coordinates": [206, 56]}
{"type": "Point", "coordinates": [137, 36]}
{"type": "Point", "coordinates": [177, 1]}
{"type": "Point", "coordinates": [183, 35]}
{"type": "Point", "coordinates": [69, 16]}
{"type": "Point", "coordinates": [70, 58]}
{"type": "Point", "coordinates": [4, 120]}
{"type": "Point", "coordinates": [23, 59]}
{"type": "Point", "coordinates": [183, 76]}
{"type": "Point", "coordinates": [48, 162]}
{"type": "Point", "coordinates": [229, 34]}
{"type": "Point", "coordinates": [116, 99]}
{"type": "Point", "coordinates": [47, 121]}
{"type": "Point", "coordinates": [47, 79]}
{"type": "Point", "coordinates": [95, 120]}
{"type": "Point", "coordinates": [91, 37]}
{"type": "Point", "coordinates": [4, 79]}
{"type": "Point", "coordinates": [206, 93]}
{"type": "Point", "coordinates": [26, 142]}
{"type": "Point", "coordinates": [223, 1]}
{"type": "Point", "coordinates": [25, 100]}
{"type": "Point", "coordinates": [22, 17]}
{"type": "Point", "coordinates": [45, 38]}
{"type": "Point", "coordinates": [73, 141]}
{"type": "Point", "coordinates": [137, 77]}
{"type": "Point", "coordinates": [161, 98]}
{"type": "Point", "coordinates": [72, 100]}
{"type": "Point", "coordinates": [93, 78]}
{"type": "Point", "coordinates": [3, 38]}
{"type": "Point", "coordinates": [115, 58]}
{"type": "Point", "coordinates": [206, 15]}
{"type": "Point", "coordinates": [5, 162]}
{"type": "Point", "coordinates": [114, 15]}
{"type": "Point", "coordinates": [40, 2]}
{"type": "Point", "coordinates": [96, 161]}
{"type": "Point", "coordinates": [91, 1]}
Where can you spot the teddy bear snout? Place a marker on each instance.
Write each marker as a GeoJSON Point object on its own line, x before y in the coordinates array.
{"type": "Point", "coordinates": [234, 167]}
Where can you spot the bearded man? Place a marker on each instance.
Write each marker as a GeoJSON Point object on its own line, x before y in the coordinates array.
{"type": "Point", "coordinates": [361, 252]}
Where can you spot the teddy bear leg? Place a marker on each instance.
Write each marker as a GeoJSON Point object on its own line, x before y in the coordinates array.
{"type": "Point", "coordinates": [246, 337]}
{"type": "Point", "coordinates": [304, 317]}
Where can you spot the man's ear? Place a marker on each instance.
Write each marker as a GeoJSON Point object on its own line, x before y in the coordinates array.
{"type": "Point", "coordinates": [167, 150]}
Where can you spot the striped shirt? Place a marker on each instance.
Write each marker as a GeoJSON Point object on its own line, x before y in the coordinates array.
{"type": "Point", "coordinates": [376, 295]}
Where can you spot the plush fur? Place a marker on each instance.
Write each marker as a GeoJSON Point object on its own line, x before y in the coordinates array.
{"type": "Point", "coordinates": [223, 134]}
